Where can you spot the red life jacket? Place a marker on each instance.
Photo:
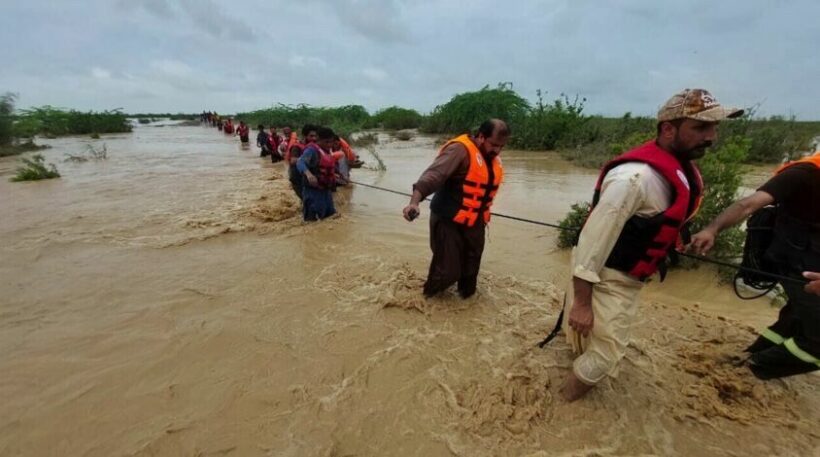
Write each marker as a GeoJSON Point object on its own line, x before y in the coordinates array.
{"type": "Point", "coordinates": [227, 128]}
{"type": "Point", "coordinates": [324, 169]}
{"type": "Point", "coordinates": [242, 130]}
{"type": "Point", "coordinates": [644, 243]}
{"type": "Point", "coordinates": [466, 201]}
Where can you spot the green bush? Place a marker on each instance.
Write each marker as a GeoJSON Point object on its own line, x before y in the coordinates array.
{"type": "Point", "coordinates": [35, 169]}
{"type": "Point", "coordinates": [344, 120]}
{"type": "Point", "coordinates": [465, 112]}
{"type": "Point", "coordinates": [50, 121]}
{"type": "Point", "coordinates": [396, 118]}
{"type": "Point", "coordinates": [546, 125]}
{"type": "Point", "coordinates": [571, 224]}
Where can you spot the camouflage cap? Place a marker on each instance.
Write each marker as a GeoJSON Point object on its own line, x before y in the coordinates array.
{"type": "Point", "coordinates": [696, 104]}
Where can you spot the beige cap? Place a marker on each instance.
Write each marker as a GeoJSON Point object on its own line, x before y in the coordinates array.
{"type": "Point", "coordinates": [696, 104]}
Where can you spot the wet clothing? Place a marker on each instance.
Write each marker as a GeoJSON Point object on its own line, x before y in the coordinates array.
{"type": "Point", "coordinates": [243, 131]}
{"type": "Point", "coordinates": [792, 344]}
{"type": "Point", "coordinates": [614, 307]}
{"type": "Point", "coordinates": [264, 144]}
{"type": "Point", "coordinates": [317, 202]}
{"type": "Point", "coordinates": [294, 176]}
{"type": "Point", "coordinates": [628, 190]}
{"type": "Point", "coordinates": [457, 248]}
{"type": "Point", "coordinates": [457, 251]}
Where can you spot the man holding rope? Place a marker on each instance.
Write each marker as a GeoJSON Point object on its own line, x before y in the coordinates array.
{"type": "Point", "coordinates": [791, 345]}
{"type": "Point", "coordinates": [642, 201]}
{"type": "Point", "coordinates": [465, 177]}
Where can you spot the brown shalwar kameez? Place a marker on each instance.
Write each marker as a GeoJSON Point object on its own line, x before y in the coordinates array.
{"type": "Point", "coordinates": [456, 248]}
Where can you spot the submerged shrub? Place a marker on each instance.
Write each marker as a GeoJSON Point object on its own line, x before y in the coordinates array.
{"type": "Point", "coordinates": [35, 169]}
{"type": "Point", "coordinates": [571, 224]}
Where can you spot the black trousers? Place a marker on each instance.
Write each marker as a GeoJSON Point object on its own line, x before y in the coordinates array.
{"type": "Point", "coordinates": [799, 319]}
{"type": "Point", "coordinates": [457, 251]}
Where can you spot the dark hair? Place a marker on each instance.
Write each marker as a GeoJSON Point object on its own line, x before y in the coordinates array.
{"type": "Point", "coordinates": [491, 126]}
{"type": "Point", "coordinates": [675, 122]}
{"type": "Point", "coordinates": [309, 128]}
{"type": "Point", "coordinates": [260, 127]}
{"type": "Point", "coordinates": [325, 133]}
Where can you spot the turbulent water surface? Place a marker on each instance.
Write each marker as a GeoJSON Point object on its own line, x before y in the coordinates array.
{"type": "Point", "coordinates": [169, 301]}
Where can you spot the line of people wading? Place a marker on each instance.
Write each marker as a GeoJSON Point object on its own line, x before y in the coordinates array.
{"type": "Point", "coordinates": [641, 204]}
{"type": "Point", "coordinates": [318, 163]}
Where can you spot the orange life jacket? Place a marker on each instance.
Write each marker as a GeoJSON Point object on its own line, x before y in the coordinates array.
{"type": "Point", "coordinates": [351, 156]}
{"type": "Point", "coordinates": [813, 159]}
{"type": "Point", "coordinates": [471, 199]}
{"type": "Point", "coordinates": [291, 142]}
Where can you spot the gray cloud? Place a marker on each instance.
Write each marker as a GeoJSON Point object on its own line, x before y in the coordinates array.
{"type": "Point", "coordinates": [188, 55]}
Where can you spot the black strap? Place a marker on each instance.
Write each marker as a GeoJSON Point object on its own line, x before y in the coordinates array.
{"type": "Point", "coordinates": [555, 331]}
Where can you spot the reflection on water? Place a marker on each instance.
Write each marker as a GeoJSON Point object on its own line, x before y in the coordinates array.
{"type": "Point", "coordinates": [169, 301]}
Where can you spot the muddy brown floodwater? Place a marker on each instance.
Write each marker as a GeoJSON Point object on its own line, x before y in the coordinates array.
{"type": "Point", "coordinates": [168, 301]}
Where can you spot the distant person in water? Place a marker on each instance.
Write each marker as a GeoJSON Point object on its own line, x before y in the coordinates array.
{"type": "Point", "coordinates": [262, 141]}
{"type": "Point", "coordinates": [342, 162]}
{"type": "Point", "coordinates": [228, 127]}
{"type": "Point", "coordinates": [219, 123]}
{"type": "Point", "coordinates": [273, 143]}
{"type": "Point", "coordinates": [294, 151]}
{"type": "Point", "coordinates": [318, 168]}
{"type": "Point", "coordinates": [243, 131]}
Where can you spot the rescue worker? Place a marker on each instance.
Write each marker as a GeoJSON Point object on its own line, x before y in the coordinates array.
{"type": "Point", "coordinates": [243, 132]}
{"type": "Point", "coordinates": [340, 155]}
{"type": "Point", "coordinates": [465, 177]}
{"type": "Point", "coordinates": [273, 144]}
{"type": "Point", "coordinates": [262, 141]}
{"type": "Point", "coordinates": [317, 166]}
{"type": "Point", "coordinates": [294, 151]}
{"type": "Point", "coordinates": [641, 202]}
{"type": "Point", "coordinates": [227, 128]}
{"type": "Point", "coordinates": [791, 345]}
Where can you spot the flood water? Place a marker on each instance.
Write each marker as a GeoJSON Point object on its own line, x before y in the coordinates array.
{"type": "Point", "coordinates": [169, 301]}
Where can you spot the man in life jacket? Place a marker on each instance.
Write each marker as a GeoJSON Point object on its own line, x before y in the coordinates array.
{"type": "Point", "coordinates": [791, 345]}
{"type": "Point", "coordinates": [318, 167]}
{"type": "Point", "coordinates": [244, 133]}
{"type": "Point", "coordinates": [273, 144]}
{"type": "Point", "coordinates": [344, 156]}
{"type": "Point", "coordinates": [262, 141]}
{"type": "Point", "coordinates": [465, 177]}
{"type": "Point", "coordinates": [293, 151]}
{"type": "Point", "coordinates": [641, 202]}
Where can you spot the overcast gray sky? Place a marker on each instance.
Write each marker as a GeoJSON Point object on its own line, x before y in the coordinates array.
{"type": "Point", "coordinates": [190, 55]}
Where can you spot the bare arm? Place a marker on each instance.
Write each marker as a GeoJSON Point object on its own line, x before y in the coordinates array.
{"type": "Point", "coordinates": [704, 240]}
{"type": "Point", "coordinates": [581, 318]}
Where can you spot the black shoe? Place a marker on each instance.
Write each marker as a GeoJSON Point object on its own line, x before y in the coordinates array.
{"type": "Point", "coordinates": [778, 362]}
{"type": "Point", "coordinates": [760, 344]}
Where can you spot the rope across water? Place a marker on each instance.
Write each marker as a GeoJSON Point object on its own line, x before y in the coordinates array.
{"type": "Point", "coordinates": [575, 229]}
